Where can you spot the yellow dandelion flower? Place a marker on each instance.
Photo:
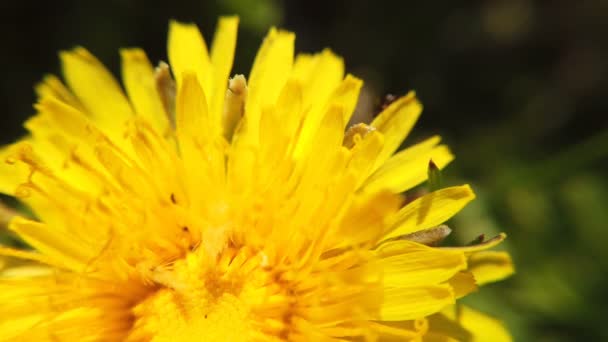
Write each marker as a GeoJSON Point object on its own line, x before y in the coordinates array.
{"type": "Point", "coordinates": [198, 207]}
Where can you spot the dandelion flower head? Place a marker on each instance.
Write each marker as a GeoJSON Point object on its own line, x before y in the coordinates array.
{"type": "Point", "coordinates": [193, 205]}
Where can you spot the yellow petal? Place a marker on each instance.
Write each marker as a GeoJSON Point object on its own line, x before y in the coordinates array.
{"type": "Point", "coordinates": [272, 67]}
{"type": "Point", "coordinates": [463, 283]}
{"type": "Point", "coordinates": [63, 248]}
{"type": "Point", "coordinates": [490, 266]}
{"type": "Point", "coordinates": [328, 140]}
{"type": "Point", "coordinates": [406, 263]}
{"type": "Point", "coordinates": [365, 219]}
{"type": "Point", "coordinates": [487, 244]}
{"type": "Point", "coordinates": [290, 107]}
{"type": "Point", "coordinates": [347, 95]}
{"type": "Point", "coordinates": [398, 331]}
{"type": "Point", "coordinates": [63, 137]}
{"type": "Point", "coordinates": [409, 167]}
{"type": "Point", "coordinates": [481, 327]}
{"type": "Point", "coordinates": [60, 307]}
{"type": "Point", "coordinates": [273, 140]}
{"type": "Point", "coordinates": [15, 328]}
{"type": "Point", "coordinates": [200, 145]}
{"type": "Point", "coordinates": [35, 160]}
{"type": "Point", "coordinates": [222, 56]}
{"type": "Point", "coordinates": [25, 255]}
{"type": "Point", "coordinates": [364, 154]}
{"type": "Point", "coordinates": [97, 90]}
{"type": "Point", "coordinates": [188, 52]}
{"type": "Point", "coordinates": [270, 71]}
{"type": "Point", "coordinates": [12, 172]}
{"type": "Point", "coordinates": [400, 304]}
{"type": "Point", "coordinates": [192, 114]}
{"type": "Point", "coordinates": [61, 117]}
{"type": "Point", "coordinates": [27, 271]}
{"type": "Point", "coordinates": [344, 96]}
{"type": "Point", "coordinates": [320, 74]}
{"type": "Point", "coordinates": [395, 123]}
{"type": "Point", "coordinates": [444, 329]}
{"type": "Point", "coordinates": [125, 172]}
{"type": "Point", "coordinates": [51, 86]}
{"type": "Point", "coordinates": [430, 210]}
{"type": "Point", "coordinates": [139, 81]}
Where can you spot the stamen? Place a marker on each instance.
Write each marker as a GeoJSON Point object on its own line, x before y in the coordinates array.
{"type": "Point", "coordinates": [234, 106]}
{"type": "Point", "coordinates": [165, 85]}
{"type": "Point", "coordinates": [25, 153]}
{"type": "Point", "coordinates": [23, 191]}
{"type": "Point", "coordinates": [356, 133]}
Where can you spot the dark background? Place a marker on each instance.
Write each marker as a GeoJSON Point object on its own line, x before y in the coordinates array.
{"type": "Point", "coordinates": [517, 88]}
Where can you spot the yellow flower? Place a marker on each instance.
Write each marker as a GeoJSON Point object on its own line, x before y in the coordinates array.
{"type": "Point", "coordinates": [217, 209]}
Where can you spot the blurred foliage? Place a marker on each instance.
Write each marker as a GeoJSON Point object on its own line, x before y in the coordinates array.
{"type": "Point", "coordinates": [516, 87]}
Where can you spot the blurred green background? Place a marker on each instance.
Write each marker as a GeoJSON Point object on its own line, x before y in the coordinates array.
{"type": "Point", "coordinates": [518, 89]}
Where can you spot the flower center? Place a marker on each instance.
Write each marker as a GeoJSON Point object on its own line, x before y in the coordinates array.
{"type": "Point", "coordinates": [202, 298]}
{"type": "Point", "coordinates": [241, 295]}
